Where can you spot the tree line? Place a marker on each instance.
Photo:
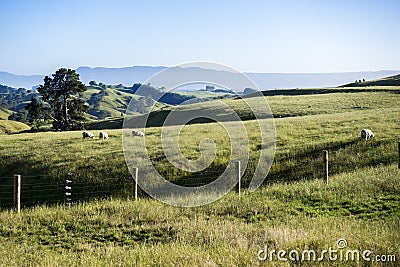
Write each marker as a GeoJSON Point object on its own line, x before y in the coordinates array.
{"type": "Point", "coordinates": [58, 101]}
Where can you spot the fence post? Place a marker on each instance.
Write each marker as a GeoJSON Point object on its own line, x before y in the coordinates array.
{"type": "Point", "coordinates": [326, 164]}
{"type": "Point", "coordinates": [135, 183]}
{"type": "Point", "coordinates": [238, 176]}
{"type": "Point", "coordinates": [398, 149]}
{"type": "Point", "coordinates": [17, 192]}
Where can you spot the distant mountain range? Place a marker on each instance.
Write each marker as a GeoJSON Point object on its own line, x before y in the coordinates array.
{"type": "Point", "coordinates": [17, 81]}
{"type": "Point", "coordinates": [139, 74]}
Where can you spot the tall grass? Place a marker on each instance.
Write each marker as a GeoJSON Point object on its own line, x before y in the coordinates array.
{"type": "Point", "coordinates": [360, 206]}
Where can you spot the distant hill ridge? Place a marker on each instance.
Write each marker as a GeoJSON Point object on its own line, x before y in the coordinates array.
{"type": "Point", "coordinates": [139, 74]}
{"type": "Point", "coordinates": [387, 81]}
{"type": "Point", "coordinates": [104, 100]}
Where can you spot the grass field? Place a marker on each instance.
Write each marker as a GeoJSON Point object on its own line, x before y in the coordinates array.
{"type": "Point", "coordinates": [288, 103]}
{"type": "Point", "coordinates": [293, 210]}
{"type": "Point", "coordinates": [110, 102]}
{"type": "Point", "coordinates": [4, 113]}
{"type": "Point", "coordinates": [361, 206]}
{"type": "Point", "coordinates": [7, 127]}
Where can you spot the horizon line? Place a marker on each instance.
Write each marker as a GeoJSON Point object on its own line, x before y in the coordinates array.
{"type": "Point", "coordinates": [245, 72]}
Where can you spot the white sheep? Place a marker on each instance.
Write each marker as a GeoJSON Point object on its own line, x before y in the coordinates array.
{"type": "Point", "coordinates": [103, 135]}
{"type": "Point", "coordinates": [366, 134]}
{"type": "Point", "coordinates": [87, 135]}
{"type": "Point", "coordinates": [137, 133]}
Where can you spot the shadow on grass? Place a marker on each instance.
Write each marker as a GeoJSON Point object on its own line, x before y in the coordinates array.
{"type": "Point", "coordinates": [43, 185]}
{"type": "Point", "coordinates": [307, 163]}
{"type": "Point", "coordinates": [303, 163]}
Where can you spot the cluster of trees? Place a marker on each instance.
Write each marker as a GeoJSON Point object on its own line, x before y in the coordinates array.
{"type": "Point", "coordinates": [58, 101]}
{"type": "Point", "coordinates": [11, 97]}
{"type": "Point", "coordinates": [358, 81]}
{"type": "Point", "coordinates": [9, 90]}
{"type": "Point", "coordinates": [95, 100]}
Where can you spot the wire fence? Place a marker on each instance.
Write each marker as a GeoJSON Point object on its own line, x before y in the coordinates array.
{"type": "Point", "coordinates": [68, 189]}
{"type": "Point", "coordinates": [44, 189]}
{"type": "Point", "coordinates": [55, 189]}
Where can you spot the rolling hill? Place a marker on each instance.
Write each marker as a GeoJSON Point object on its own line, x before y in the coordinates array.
{"type": "Point", "coordinates": [387, 81]}
{"type": "Point", "coordinates": [16, 80]}
{"type": "Point", "coordinates": [283, 103]}
{"type": "Point", "coordinates": [4, 113]}
{"type": "Point", "coordinates": [7, 127]}
{"type": "Point", "coordinates": [109, 101]}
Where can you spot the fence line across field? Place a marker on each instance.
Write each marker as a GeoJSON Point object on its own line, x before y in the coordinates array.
{"type": "Point", "coordinates": [78, 190]}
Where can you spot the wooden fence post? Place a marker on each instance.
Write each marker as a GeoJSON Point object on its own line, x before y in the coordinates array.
{"type": "Point", "coordinates": [17, 192]}
{"type": "Point", "coordinates": [238, 176]}
{"type": "Point", "coordinates": [135, 183]}
{"type": "Point", "coordinates": [326, 165]}
{"type": "Point", "coordinates": [398, 150]}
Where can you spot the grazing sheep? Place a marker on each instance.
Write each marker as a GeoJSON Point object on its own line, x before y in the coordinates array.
{"type": "Point", "coordinates": [87, 135]}
{"type": "Point", "coordinates": [366, 134]}
{"type": "Point", "coordinates": [137, 133]}
{"type": "Point", "coordinates": [103, 135]}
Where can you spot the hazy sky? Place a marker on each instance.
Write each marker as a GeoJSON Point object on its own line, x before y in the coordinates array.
{"type": "Point", "coordinates": [37, 37]}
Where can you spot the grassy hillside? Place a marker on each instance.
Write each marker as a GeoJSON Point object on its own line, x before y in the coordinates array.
{"type": "Point", "coordinates": [110, 102]}
{"type": "Point", "coordinates": [7, 126]}
{"type": "Point", "coordinates": [104, 101]}
{"type": "Point", "coordinates": [318, 122]}
{"type": "Point", "coordinates": [284, 104]}
{"type": "Point", "coordinates": [387, 81]}
{"type": "Point", "coordinates": [293, 210]}
{"type": "Point", "coordinates": [4, 113]}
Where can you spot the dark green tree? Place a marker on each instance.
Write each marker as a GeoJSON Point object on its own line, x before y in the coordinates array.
{"type": "Point", "coordinates": [93, 83]}
{"type": "Point", "coordinates": [61, 92]}
{"type": "Point", "coordinates": [38, 113]}
{"type": "Point", "coordinates": [21, 115]}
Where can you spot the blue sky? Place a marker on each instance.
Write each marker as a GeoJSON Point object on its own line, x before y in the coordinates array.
{"type": "Point", "coordinates": [38, 37]}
